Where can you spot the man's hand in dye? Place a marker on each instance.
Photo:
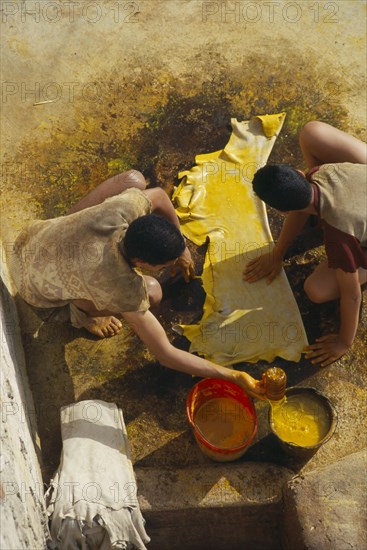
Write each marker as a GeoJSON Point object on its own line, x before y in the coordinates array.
{"type": "Point", "coordinates": [326, 350]}
{"type": "Point", "coordinates": [268, 265]}
{"type": "Point", "coordinates": [186, 265]}
{"type": "Point", "coordinates": [254, 388]}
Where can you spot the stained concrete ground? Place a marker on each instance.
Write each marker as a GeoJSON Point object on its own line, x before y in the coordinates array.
{"type": "Point", "coordinates": [91, 89]}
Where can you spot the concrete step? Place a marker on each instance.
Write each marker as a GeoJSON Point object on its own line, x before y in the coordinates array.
{"type": "Point", "coordinates": [326, 509]}
{"type": "Point", "coordinates": [232, 506]}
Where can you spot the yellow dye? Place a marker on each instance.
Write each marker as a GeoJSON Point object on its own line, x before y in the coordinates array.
{"type": "Point", "coordinates": [224, 422]}
{"type": "Point", "coordinates": [300, 419]}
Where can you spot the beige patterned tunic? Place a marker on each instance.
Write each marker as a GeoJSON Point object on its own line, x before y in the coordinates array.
{"type": "Point", "coordinates": [343, 197]}
{"type": "Point", "coordinates": [77, 257]}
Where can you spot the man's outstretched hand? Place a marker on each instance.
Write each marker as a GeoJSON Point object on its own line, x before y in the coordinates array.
{"type": "Point", "coordinates": [326, 350]}
{"type": "Point", "coordinates": [253, 387]}
{"type": "Point", "coordinates": [268, 265]}
{"type": "Point", "coordinates": [186, 265]}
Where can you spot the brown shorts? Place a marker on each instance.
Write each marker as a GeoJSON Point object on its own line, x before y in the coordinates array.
{"type": "Point", "coordinates": [64, 314]}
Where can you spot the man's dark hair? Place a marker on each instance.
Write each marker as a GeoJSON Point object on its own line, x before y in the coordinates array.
{"type": "Point", "coordinates": [282, 187]}
{"type": "Point", "coordinates": [153, 239]}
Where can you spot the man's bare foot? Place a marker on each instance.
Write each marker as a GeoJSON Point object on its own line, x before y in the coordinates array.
{"type": "Point", "coordinates": [103, 326]}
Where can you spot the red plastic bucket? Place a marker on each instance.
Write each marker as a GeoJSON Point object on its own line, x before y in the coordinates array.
{"type": "Point", "coordinates": [212, 388]}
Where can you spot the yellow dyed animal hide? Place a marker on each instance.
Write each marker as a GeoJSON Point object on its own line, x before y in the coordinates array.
{"type": "Point", "coordinates": [215, 203]}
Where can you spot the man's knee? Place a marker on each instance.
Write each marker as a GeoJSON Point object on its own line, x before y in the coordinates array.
{"type": "Point", "coordinates": [313, 291]}
{"type": "Point", "coordinates": [154, 291]}
{"type": "Point", "coordinates": [310, 131]}
{"type": "Point", "coordinates": [135, 178]}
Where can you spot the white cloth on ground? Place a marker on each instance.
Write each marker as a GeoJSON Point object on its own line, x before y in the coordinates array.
{"type": "Point", "coordinates": [92, 499]}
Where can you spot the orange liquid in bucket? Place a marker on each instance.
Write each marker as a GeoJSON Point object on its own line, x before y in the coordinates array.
{"type": "Point", "coordinates": [223, 418]}
{"type": "Point", "coordinates": [224, 422]}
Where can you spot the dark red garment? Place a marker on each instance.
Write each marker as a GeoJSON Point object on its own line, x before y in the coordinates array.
{"type": "Point", "coordinates": [343, 251]}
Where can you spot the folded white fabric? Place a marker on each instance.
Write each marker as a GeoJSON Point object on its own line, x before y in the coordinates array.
{"type": "Point", "coordinates": [92, 498]}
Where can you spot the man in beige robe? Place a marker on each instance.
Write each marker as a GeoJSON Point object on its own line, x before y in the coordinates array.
{"type": "Point", "coordinates": [83, 267]}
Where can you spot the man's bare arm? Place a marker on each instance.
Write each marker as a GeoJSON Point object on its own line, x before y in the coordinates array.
{"type": "Point", "coordinates": [331, 347]}
{"type": "Point", "coordinates": [162, 206]}
{"type": "Point", "coordinates": [270, 264]}
{"type": "Point", "coordinates": [350, 301]}
{"type": "Point", "coordinates": [151, 332]}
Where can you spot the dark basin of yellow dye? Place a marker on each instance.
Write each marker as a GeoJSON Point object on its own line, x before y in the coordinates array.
{"type": "Point", "coordinates": [304, 422]}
